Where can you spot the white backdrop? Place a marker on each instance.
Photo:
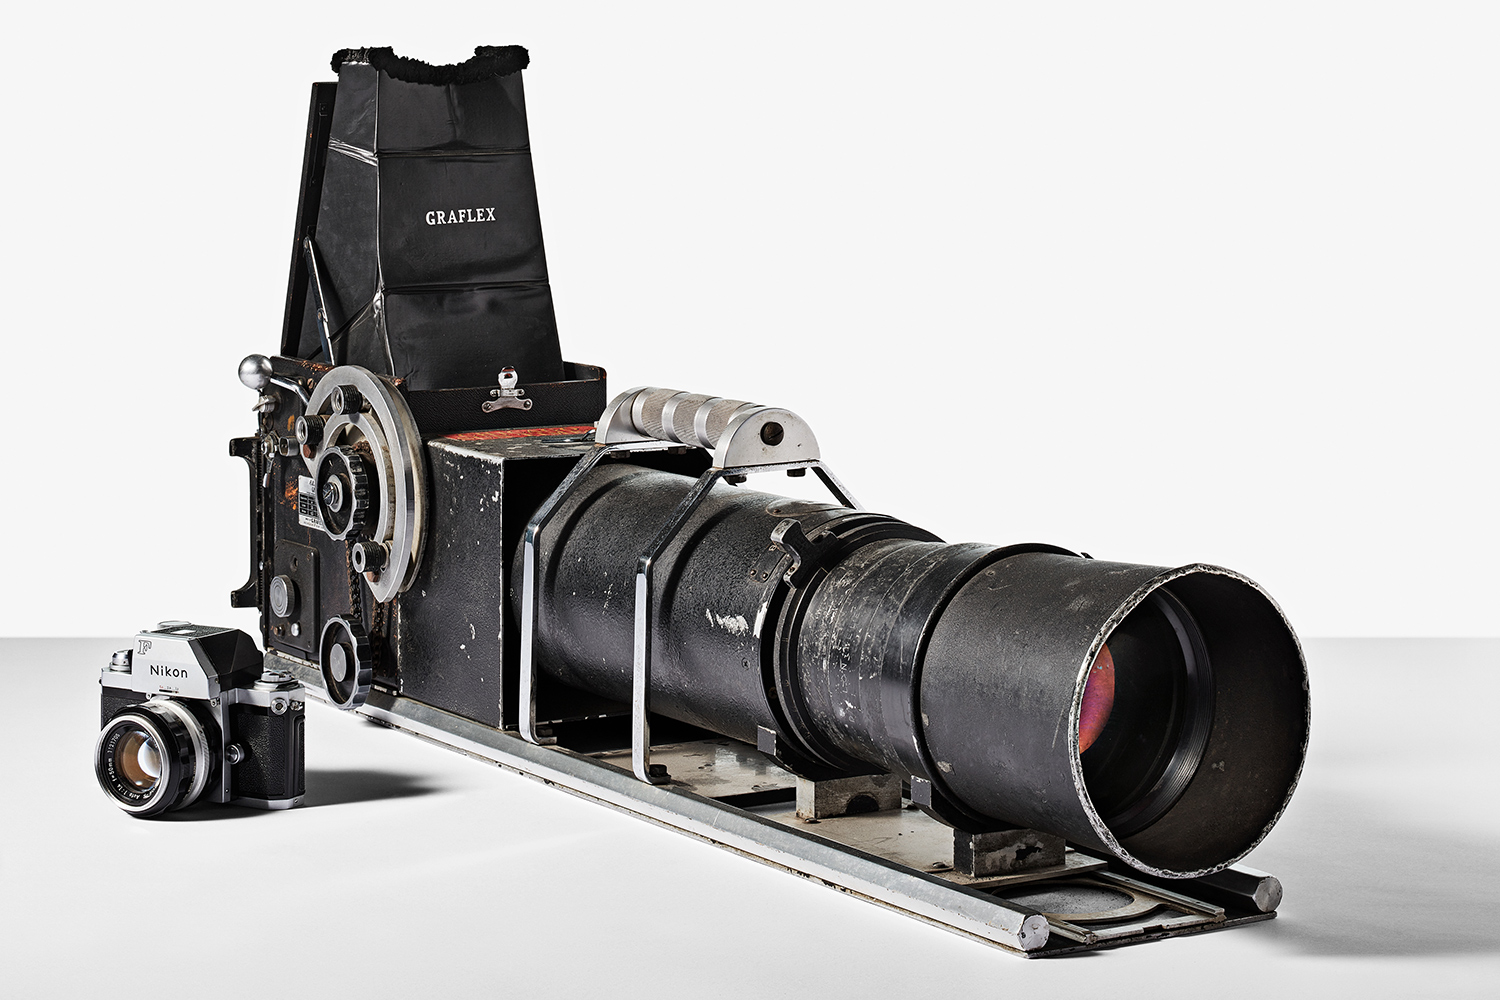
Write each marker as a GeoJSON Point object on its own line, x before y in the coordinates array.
{"type": "Point", "coordinates": [1172, 283]}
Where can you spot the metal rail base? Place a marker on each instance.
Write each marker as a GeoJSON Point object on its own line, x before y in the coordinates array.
{"type": "Point", "coordinates": [730, 795]}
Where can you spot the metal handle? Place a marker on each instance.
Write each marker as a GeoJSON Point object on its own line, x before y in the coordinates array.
{"type": "Point", "coordinates": [736, 432]}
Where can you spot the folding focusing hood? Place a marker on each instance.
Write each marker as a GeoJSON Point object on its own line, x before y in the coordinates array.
{"type": "Point", "coordinates": [457, 533]}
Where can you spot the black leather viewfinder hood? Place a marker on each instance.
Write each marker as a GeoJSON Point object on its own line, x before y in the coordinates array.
{"type": "Point", "coordinates": [420, 202]}
{"type": "Point", "coordinates": [488, 61]}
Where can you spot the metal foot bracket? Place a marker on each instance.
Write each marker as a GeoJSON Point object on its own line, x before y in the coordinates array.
{"type": "Point", "coordinates": [529, 582]}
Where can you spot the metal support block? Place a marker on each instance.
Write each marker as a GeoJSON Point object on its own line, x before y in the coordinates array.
{"type": "Point", "coordinates": [1003, 852]}
{"type": "Point", "coordinates": [847, 796]}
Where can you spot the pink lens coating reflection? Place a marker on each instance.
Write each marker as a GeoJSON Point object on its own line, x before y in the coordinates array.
{"type": "Point", "coordinates": [1098, 699]}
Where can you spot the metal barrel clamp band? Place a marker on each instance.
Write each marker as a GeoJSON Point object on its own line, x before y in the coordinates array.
{"type": "Point", "coordinates": [741, 438]}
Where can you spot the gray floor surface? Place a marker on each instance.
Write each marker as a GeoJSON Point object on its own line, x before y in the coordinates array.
{"type": "Point", "coordinates": [415, 871]}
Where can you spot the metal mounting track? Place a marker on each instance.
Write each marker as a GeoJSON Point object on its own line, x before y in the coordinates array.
{"type": "Point", "coordinates": [957, 908]}
{"type": "Point", "coordinates": [964, 911]}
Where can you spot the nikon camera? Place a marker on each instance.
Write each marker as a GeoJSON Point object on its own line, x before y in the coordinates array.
{"type": "Point", "coordinates": [188, 714]}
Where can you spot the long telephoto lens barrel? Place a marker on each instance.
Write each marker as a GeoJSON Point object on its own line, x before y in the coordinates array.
{"type": "Point", "coordinates": [1157, 714]}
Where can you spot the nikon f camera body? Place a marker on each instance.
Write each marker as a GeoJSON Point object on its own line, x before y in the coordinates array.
{"type": "Point", "coordinates": [188, 714]}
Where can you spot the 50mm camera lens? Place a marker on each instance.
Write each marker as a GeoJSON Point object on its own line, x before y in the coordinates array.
{"type": "Point", "coordinates": [153, 757]}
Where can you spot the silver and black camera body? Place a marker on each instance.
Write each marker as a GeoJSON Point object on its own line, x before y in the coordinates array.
{"type": "Point", "coordinates": [188, 714]}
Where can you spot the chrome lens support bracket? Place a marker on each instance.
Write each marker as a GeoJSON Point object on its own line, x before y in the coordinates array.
{"type": "Point", "coordinates": [742, 438]}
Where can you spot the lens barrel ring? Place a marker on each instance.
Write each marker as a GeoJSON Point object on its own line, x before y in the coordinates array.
{"type": "Point", "coordinates": [813, 754]}
{"type": "Point", "coordinates": [892, 598]}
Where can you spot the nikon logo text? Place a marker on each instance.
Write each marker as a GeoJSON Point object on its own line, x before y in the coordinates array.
{"type": "Point", "coordinates": [160, 671]}
{"type": "Point", "coordinates": [446, 218]}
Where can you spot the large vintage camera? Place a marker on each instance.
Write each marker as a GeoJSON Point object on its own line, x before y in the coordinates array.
{"type": "Point", "coordinates": [189, 713]}
{"type": "Point", "coordinates": [456, 532]}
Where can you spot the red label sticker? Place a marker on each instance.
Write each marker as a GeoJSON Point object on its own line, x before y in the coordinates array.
{"type": "Point", "coordinates": [572, 430]}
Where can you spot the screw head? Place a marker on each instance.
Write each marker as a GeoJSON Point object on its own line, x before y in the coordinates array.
{"type": "Point", "coordinates": [333, 494]}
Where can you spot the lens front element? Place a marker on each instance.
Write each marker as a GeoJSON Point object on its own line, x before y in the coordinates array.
{"type": "Point", "coordinates": [138, 759]}
{"type": "Point", "coordinates": [1161, 713]}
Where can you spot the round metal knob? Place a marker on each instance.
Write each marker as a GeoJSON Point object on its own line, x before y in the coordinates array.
{"type": "Point", "coordinates": [347, 663]}
{"type": "Point", "coordinates": [346, 399]}
{"type": "Point", "coordinates": [255, 371]}
{"type": "Point", "coordinates": [283, 596]}
{"type": "Point", "coordinates": [367, 557]}
{"type": "Point", "coordinates": [343, 485]}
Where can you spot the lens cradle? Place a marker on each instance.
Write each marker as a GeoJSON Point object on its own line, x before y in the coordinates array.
{"type": "Point", "coordinates": [742, 438]}
{"type": "Point", "coordinates": [995, 642]}
{"type": "Point", "coordinates": [983, 649]}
